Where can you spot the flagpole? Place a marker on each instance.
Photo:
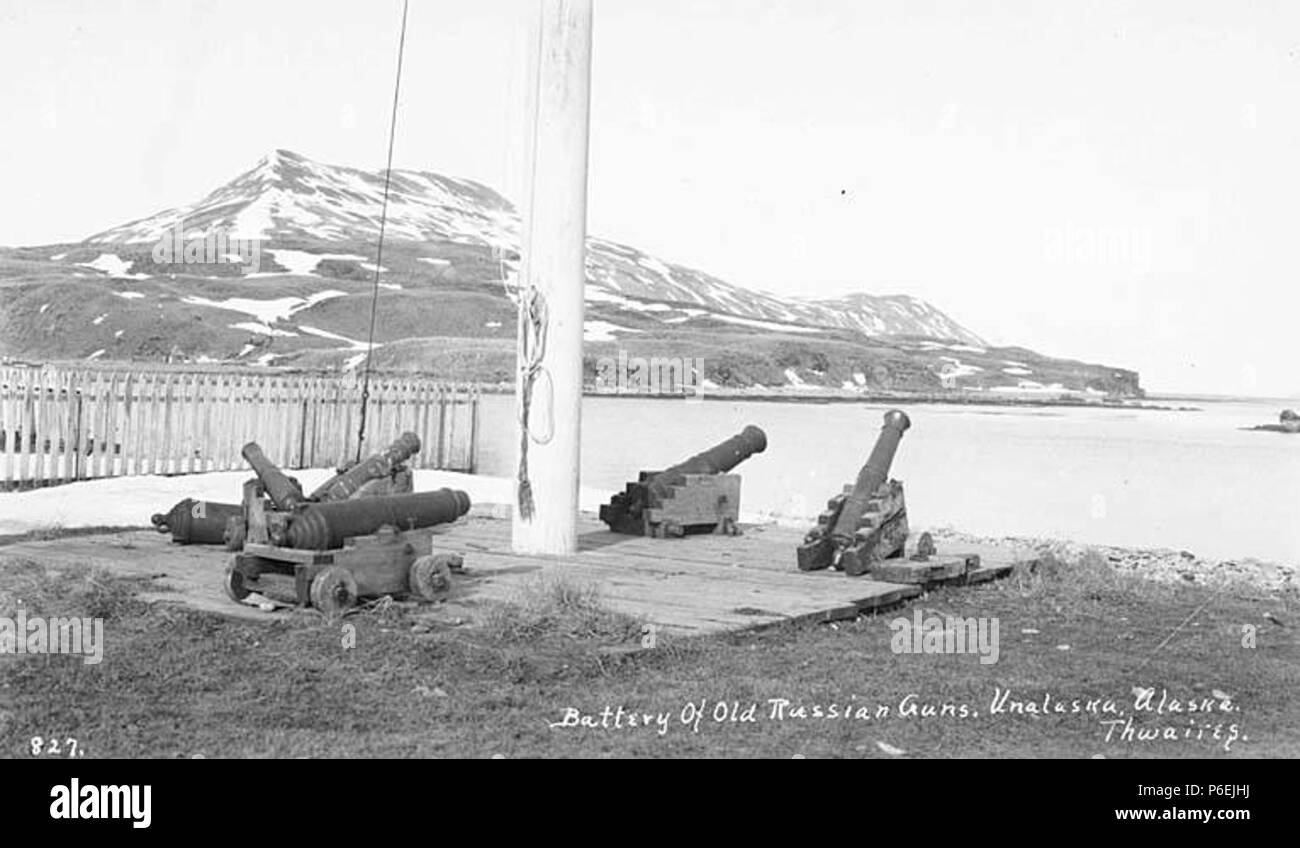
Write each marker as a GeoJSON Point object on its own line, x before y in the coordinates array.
{"type": "Point", "coordinates": [552, 279]}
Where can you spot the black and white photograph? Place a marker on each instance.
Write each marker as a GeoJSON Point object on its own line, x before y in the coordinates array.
{"type": "Point", "coordinates": [888, 380]}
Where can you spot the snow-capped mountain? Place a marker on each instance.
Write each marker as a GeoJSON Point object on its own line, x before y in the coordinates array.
{"type": "Point", "coordinates": [298, 294]}
{"type": "Point", "coordinates": [290, 198]}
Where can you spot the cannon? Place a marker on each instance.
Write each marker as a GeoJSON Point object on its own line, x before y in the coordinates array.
{"type": "Point", "coordinates": [384, 473]}
{"type": "Point", "coordinates": [864, 529]}
{"type": "Point", "coordinates": [340, 551]}
{"type": "Point", "coordinates": [194, 522]}
{"type": "Point", "coordinates": [867, 522]}
{"type": "Point", "coordinates": [360, 479]}
{"type": "Point", "coordinates": [350, 481]}
{"type": "Point", "coordinates": [691, 497]}
{"type": "Point", "coordinates": [319, 527]}
{"type": "Point", "coordinates": [283, 490]}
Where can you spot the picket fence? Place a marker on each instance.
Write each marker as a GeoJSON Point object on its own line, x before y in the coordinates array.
{"type": "Point", "coordinates": [60, 425]}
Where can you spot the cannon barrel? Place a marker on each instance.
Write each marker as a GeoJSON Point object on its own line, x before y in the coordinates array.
{"type": "Point", "coordinates": [324, 526]}
{"type": "Point", "coordinates": [381, 465]}
{"type": "Point", "coordinates": [872, 475]}
{"type": "Point", "coordinates": [194, 522]}
{"type": "Point", "coordinates": [718, 459]}
{"type": "Point", "coordinates": [284, 491]}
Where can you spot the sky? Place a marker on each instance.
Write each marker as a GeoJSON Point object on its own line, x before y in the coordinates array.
{"type": "Point", "coordinates": [1108, 181]}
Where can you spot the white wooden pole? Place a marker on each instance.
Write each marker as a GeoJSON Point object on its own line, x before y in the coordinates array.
{"type": "Point", "coordinates": [552, 278]}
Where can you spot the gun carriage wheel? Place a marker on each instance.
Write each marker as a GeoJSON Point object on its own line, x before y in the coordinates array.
{"type": "Point", "coordinates": [430, 576]}
{"type": "Point", "coordinates": [333, 590]}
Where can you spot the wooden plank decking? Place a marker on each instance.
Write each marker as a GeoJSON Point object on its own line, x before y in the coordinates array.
{"type": "Point", "coordinates": [696, 585]}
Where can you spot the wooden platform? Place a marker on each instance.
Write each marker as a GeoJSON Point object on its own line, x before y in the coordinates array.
{"type": "Point", "coordinates": [697, 584]}
{"type": "Point", "coordinates": [694, 585]}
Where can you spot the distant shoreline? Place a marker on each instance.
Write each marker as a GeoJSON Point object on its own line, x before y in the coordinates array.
{"type": "Point", "coordinates": [882, 397]}
{"type": "Point", "coordinates": [823, 396]}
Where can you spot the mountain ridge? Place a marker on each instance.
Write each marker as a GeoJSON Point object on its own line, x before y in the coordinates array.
{"type": "Point", "coordinates": [451, 255]}
{"type": "Point", "coordinates": [288, 196]}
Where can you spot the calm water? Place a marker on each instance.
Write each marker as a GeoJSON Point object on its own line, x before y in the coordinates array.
{"type": "Point", "coordinates": [1188, 480]}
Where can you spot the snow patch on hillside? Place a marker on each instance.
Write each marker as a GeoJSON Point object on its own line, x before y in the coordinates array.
{"type": "Point", "coordinates": [603, 331]}
{"type": "Point", "coordinates": [360, 349]}
{"type": "Point", "coordinates": [353, 344]}
{"type": "Point", "coordinates": [954, 368]}
{"type": "Point", "coordinates": [1034, 387]}
{"type": "Point", "coordinates": [254, 221]}
{"type": "Point", "coordinates": [296, 261]}
{"type": "Point", "coordinates": [114, 266]}
{"type": "Point", "coordinates": [595, 294]}
{"type": "Point", "coordinates": [267, 311]}
{"type": "Point", "coordinates": [794, 381]}
{"type": "Point", "coordinates": [261, 329]}
{"type": "Point", "coordinates": [302, 263]}
{"type": "Point", "coordinates": [762, 325]}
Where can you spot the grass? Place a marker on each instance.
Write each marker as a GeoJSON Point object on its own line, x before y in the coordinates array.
{"type": "Point", "coordinates": [51, 532]}
{"type": "Point", "coordinates": [176, 682]}
{"type": "Point", "coordinates": [1087, 579]}
{"type": "Point", "coordinates": [75, 590]}
{"type": "Point", "coordinates": [557, 606]}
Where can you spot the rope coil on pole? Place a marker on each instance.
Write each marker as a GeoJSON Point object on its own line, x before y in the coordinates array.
{"type": "Point", "coordinates": [532, 321]}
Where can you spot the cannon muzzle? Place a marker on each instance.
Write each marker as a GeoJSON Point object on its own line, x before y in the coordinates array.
{"type": "Point", "coordinates": [381, 465]}
{"type": "Point", "coordinates": [324, 526]}
{"type": "Point", "coordinates": [871, 477]}
{"type": "Point", "coordinates": [283, 490]}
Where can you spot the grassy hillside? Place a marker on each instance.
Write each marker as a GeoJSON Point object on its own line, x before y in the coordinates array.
{"type": "Point", "coordinates": [443, 310]}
